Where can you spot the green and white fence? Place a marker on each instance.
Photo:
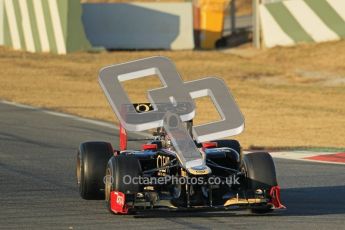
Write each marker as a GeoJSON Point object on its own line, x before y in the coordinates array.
{"type": "Point", "coordinates": [42, 25]}
{"type": "Point", "coordinates": [296, 21]}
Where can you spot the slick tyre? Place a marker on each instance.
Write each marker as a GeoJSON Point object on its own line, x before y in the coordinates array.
{"type": "Point", "coordinates": [119, 173]}
{"type": "Point", "coordinates": [259, 174]}
{"type": "Point", "coordinates": [92, 159]}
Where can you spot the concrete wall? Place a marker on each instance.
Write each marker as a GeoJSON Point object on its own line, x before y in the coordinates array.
{"type": "Point", "coordinates": [42, 25]}
{"type": "Point", "coordinates": [299, 21]}
{"type": "Point", "coordinates": [139, 25]}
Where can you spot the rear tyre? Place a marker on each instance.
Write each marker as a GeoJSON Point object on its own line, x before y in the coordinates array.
{"type": "Point", "coordinates": [92, 159]}
{"type": "Point", "coordinates": [259, 174]}
{"type": "Point", "coordinates": [119, 173]}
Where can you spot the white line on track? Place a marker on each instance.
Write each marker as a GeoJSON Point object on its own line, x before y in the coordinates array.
{"type": "Point", "coordinates": [59, 114]}
{"type": "Point", "coordinates": [70, 116]}
{"type": "Point", "coordinates": [289, 155]}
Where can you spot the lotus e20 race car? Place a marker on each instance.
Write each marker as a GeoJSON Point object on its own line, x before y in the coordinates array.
{"type": "Point", "coordinates": [178, 168]}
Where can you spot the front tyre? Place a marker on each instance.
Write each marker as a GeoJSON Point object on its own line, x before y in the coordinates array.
{"type": "Point", "coordinates": [92, 159]}
{"type": "Point", "coordinates": [119, 172]}
{"type": "Point", "coordinates": [260, 173]}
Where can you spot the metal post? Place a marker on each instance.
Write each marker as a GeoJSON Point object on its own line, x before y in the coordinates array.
{"type": "Point", "coordinates": [256, 24]}
{"type": "Point", "coordinates": [233, 16]}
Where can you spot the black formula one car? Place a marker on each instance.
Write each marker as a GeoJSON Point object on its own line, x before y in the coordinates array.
{"type": "Point", "coordinates": [154, 177]}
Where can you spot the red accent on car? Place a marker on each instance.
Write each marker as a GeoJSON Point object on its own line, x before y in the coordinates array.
{"type": "Point", "coordinates": [123, 138]}
{"type": "Point", "coordinates": [118, 203]}
{"type": "Point", "coordinates": [208, 145]}
{"type": "Point", "coordinates": [275, 197]}
{"type": "Point", "coordinates": [149, 147]}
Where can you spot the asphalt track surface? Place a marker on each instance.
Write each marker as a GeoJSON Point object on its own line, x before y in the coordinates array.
{"type": "Point", "coordinates": [38, 186]}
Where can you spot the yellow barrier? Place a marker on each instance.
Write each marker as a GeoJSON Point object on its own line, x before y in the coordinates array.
{"type": "Point", "coordinates": [212, 14]}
